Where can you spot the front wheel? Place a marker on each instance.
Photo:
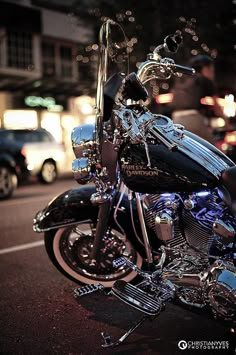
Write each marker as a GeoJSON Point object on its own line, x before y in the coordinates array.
{"type": "Point", "coordinates": [69, 249]}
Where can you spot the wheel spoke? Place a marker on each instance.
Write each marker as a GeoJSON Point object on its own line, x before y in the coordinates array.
{"type": "Point", "coordinates": [76, 245]}
{"type": "Point", "coordinates": [80, 232]}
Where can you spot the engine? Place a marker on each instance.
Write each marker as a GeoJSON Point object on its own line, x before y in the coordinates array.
{"type": "Point", "coordinates": [201, 220]}
{"type": "Point", "coordinates": [199, 233]}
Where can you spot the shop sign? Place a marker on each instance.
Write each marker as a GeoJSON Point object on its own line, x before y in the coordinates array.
{"type": "Point", "coordinates": [38, 101]}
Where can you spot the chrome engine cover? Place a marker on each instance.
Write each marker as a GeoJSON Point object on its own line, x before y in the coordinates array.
{"type": "Point", "coordinates": [201, 227]}
{"type": "Point", "coordinates": [159, 211]}
{"type": "Point", "coordinates": [200, 285]}
{"type": "Point", "coordinates": [186, 271]}
{"type": "Point", "coordinates": [201, 220]}
{"type": "Point", "coordinates": [221, 289]}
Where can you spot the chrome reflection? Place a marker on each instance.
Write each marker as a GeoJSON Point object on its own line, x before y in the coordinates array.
{"type": "Point", "coordinates": [83, 140]}
{"type": "Point", "coordinates": [81, 169]}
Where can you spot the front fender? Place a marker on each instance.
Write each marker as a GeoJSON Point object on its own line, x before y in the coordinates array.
{"type": "Point", "coordinates": [69, 208]}
{"type": "Point", "coordinates": [74, 206]}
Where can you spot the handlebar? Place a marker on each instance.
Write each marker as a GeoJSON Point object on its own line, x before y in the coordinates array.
{"type": "Point", "coordinates": [182, 69]}
{"type": "Point", "coordinates": [166, 67]}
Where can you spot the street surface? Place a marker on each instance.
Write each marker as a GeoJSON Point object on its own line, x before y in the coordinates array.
{"type": "Point", "coordinates": [39, 314]}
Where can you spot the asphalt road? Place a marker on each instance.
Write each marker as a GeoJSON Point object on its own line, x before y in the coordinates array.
{"type": "Point", "coordinates": [39, 315]}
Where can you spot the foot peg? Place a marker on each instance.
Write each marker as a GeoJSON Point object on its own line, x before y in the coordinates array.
{"type": "Point", "coordinates": [85, 290]}
{"type": "Point", "coordinates": [136, 298]}
{"type": "Point", "coordinates": [124, 261]}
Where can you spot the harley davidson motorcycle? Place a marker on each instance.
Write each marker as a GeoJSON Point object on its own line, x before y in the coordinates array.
{"type": "Point", "coordinates": [161, 202]}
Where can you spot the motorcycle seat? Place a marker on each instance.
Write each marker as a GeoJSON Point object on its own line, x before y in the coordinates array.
{"type": "Point", "coordinates": [229, 182]}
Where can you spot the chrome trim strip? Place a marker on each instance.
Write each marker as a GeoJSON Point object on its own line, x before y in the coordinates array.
{"type": "Point", "coordinates": [205, 157]}
{"type": "Point", "coordinates": [39, 230]}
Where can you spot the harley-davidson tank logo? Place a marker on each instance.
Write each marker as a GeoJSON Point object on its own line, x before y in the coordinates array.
{"type": "Point", "coordinates": [138, 170]}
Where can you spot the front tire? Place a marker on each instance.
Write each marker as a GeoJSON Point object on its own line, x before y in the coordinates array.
{"type": "Point", "coordinates": [68, 249]}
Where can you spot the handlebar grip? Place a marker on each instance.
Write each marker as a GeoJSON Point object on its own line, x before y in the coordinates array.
{"type": "Point", "coordinates": [183, 70]}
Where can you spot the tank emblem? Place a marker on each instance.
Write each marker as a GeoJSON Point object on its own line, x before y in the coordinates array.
{"type": "Point", "coordinates": [138, 170]}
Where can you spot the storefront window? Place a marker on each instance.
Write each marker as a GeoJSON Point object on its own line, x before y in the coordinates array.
{"type": "Point", "coordinates": [57, 59]}
{"type": "Point", "coordinates": [48, 59]}
{"type": "Point", "coordinates": [19, 50]}
{"type": "Point", "coordinates": [66, 61]}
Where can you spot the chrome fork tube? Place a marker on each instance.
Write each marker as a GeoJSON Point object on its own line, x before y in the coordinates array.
{"type": "Point", "coordinates": [144, 230]}
{"type": "Point", "coordinates": [103, 216]}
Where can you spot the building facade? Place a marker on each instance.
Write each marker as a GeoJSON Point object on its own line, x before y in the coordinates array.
{"type": "Point", "coordinates": [40, 77]}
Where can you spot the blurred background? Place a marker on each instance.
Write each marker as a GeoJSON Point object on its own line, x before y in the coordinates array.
{"type": "Point", "coordinates": [48, 67]}
{"type": "Point", "coordinates": [49, 52]}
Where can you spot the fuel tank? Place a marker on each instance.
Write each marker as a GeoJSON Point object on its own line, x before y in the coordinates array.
{"type": "Point", "coordinates": [195, 165]}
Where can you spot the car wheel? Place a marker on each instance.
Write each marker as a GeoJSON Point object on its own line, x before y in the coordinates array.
{"type": "Point", "coordinates": [48, 172]}
{"type": "Point", "coordinates": [8, 182]}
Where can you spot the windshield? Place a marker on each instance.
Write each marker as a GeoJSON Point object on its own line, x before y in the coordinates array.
{"type": "Point", "coordinates": [113, 58]}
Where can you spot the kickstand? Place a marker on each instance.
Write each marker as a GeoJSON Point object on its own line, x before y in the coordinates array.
{"type": "Point", "coordinates": [108, 339]}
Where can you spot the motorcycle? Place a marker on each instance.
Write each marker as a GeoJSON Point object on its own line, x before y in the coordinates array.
{"type": "Point", "coordinates": [160, 202]}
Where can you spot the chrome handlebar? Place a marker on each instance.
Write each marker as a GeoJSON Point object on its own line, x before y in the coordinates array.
{"type": "Point", "coordinates": [181, 69]}
{"type": "Point", "coordinates": [157, 68]}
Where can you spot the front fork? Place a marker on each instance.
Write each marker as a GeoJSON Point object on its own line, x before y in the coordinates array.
{"type": "Point", "coordinates": [144, 230]}
{"type": "Point", "coordinates": [105, 201]}
{"type": "Point", "coordinates": [101, 228]}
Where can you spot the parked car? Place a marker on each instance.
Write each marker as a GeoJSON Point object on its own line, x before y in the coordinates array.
{"type": "Point", "coordinates": [25, 153]}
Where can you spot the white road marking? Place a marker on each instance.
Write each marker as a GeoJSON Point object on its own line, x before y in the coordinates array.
{"type": "Point", "coordinates": [21, 247]}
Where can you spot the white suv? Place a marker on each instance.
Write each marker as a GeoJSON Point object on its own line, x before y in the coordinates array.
{"type": "Point", "coordinates": [44, 157]}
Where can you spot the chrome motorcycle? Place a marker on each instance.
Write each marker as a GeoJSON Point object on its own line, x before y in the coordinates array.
{"type": "Point", "coordinates": [161, 202]}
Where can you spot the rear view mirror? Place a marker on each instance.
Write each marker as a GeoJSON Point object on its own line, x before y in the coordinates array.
{"type": "Point", "coordinates": [172, 42]}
